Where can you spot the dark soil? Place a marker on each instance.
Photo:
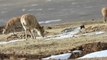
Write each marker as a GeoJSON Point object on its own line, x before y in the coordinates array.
{"type": "Point", "coordinates": [90, 47]}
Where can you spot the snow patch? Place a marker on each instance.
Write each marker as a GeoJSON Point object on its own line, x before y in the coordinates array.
{"type": "Point", "coordinates": [94, 33]}
{"type": "Point", "coordinates": [59, 57]}
{"type": "Point", "coordinates": [77, 51]}
{"type": "Point", "coordinates": [12, 41]}
{"type": "Point", "coordinates": [102, 53]}
{"type": "Point", "coordinates": [50, 21]}
{"type": "Point", "coordinates": [65, 34]}
{"type": "Point", "coordinates": [71, 32]}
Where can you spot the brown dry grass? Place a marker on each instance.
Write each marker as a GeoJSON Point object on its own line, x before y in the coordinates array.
{"type": "Point", "coordinates": [48, 47]}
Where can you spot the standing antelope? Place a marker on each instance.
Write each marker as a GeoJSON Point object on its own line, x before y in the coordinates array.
{"type": "Point", "coordinates": [30, 23]}
{"type": "Point", "coordinates": [11, 25]}
{"type": "Point", "coordinates": [104, 13]}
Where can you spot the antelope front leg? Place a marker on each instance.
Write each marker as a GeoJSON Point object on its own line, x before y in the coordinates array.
{"type": "Point", "coordinates": [13, 31]}
{"type": "Point", "coordinates": [26, 34]}
{"type": "Point", "coordinates": [104, 18]}
{"type": "Point", "coordinates": [32, 34]}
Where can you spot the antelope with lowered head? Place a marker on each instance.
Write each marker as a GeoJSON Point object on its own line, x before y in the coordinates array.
{"type": "Point", "coordinates": [11, 25]}
{"type": "Point", "coordinates": [30, 24]}
{"type": "Point", "coordinates": [104, 13]}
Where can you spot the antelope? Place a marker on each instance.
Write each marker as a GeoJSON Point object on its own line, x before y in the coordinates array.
{"type": "Point", "coordinates": [11, 25]}
{"type": "Point", "coordinates": [30, 24]}
{"type": "Point", "coordinates": [104, 13]}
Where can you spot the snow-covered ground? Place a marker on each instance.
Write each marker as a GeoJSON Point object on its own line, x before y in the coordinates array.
{"type": "Point", "coordinates": [65, 34]}
{"type": "Point", "coordinates": [71, 32]}
{"type": "Point", "coordinates": [102, 53]}
{"type": "Point", "coordinates": [62, 56]}
{"type": "Point", "coordinates": [94, 33]}
{"type": "Point", "coordinates": [57, 57]}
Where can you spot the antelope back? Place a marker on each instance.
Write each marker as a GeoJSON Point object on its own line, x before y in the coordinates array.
{"type": "Point", "coordinates": [11, 24]}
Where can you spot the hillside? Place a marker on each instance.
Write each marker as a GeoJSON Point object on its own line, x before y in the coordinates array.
{"type": "Point", "coordinates": [59, 39]}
